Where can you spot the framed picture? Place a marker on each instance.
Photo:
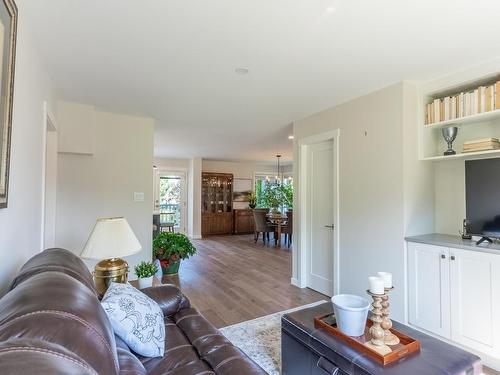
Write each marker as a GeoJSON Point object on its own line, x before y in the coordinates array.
{"type": "Point", "coordinates": [242, 187]}
{"type": "Point", "coordinates": [8, 31]}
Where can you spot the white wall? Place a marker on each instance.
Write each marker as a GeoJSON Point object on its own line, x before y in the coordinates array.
{"type": "Point", "coordinates": [374, 188]}
{"type": "Point", "coordinates": [20, 222]}
{"type": "Point", "coordinates": [194, 198]}
{"type": "Point", "coordinates": [172, 164]}
{"type": "Point", "coordinates": [242, 169]}
{"type": "Point", "coordinates": [103, 184]}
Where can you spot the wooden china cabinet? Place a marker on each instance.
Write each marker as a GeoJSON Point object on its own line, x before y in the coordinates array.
{"type": "Point", "coordinates": [216, 203]}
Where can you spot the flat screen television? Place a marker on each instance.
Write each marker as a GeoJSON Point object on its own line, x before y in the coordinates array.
{"type": "Point", "coordinates": [482, 192]}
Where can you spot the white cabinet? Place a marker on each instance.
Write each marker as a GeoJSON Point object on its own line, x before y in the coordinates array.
{"type": "Point", "coordinates": [475, 300]}
{"type": "Point", "coordinates": [455, 294]}
{"type": "Point", "coordinates": [429, 284]}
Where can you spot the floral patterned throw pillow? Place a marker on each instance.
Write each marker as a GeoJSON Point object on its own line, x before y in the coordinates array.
{"type": "Point", "coordinates": [136, 319]}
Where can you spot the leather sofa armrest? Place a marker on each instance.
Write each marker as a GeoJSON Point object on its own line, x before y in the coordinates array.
{"type": "Point", "coordinates": [169, 297]}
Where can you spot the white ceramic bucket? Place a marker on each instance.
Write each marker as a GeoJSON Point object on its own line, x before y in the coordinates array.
{"type": "Point", "coordinates": [351, 312]}
{"type": "Point", "coordinates": [145, 282]}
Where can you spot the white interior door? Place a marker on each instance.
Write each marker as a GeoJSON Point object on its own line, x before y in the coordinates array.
{"type": "Point", "coordinates": [321, 179]}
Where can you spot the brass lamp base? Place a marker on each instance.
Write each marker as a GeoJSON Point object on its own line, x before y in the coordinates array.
{"type": "Point", "coordinates": [107, 271]}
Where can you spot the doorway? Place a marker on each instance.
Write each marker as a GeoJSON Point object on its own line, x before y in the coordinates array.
{"type": "Point", "coordinates": [49, 181]}
{"type": "Point", "coordinates": [172, 201]}
{"type": "Point", "coordinates": [318, 205]}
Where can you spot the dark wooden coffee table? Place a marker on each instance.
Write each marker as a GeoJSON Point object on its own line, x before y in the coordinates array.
{"type": "Point", "coordinates": [310, 351]}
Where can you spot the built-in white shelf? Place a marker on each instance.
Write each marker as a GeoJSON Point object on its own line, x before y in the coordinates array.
{"type": "Point", "coordinates": [482, 125]}
{"type": "Point", "coordinates": [467, 120]}
{"type": "Point", "coordinates": [466, 155]}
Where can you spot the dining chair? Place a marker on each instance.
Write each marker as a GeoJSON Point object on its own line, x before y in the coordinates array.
{"type": "Point", "coordinates": [262, 225]}
{"type": "Point", "coordinates": [288, 228]}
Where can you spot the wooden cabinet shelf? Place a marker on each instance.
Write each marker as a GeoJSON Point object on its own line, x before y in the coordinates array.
{"type": "Point", "coordinates": [216, 203]}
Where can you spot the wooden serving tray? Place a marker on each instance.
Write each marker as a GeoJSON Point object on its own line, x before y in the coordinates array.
{"type": "Point", "coordinates": [406, 346]}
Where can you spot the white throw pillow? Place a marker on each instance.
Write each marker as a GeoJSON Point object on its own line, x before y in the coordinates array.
{"type": "Point", "coordinates": [136, 319]}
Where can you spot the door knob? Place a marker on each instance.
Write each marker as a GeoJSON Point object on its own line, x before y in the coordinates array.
{"type": "Point", "coordinates": [330, 226]}
{"type": "Point", "coordinates": [443, 256]}
{"type": "Point", "coordinates": [452, 257]}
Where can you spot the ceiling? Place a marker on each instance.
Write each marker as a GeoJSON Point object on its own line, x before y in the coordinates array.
{"type": "Point", "coordinates": [175, 60]}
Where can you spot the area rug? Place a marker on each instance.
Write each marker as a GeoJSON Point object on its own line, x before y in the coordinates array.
{"type": "Point", "coordinates": [260, 338]}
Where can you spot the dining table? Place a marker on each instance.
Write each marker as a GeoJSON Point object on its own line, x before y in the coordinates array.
{"type": "Point", "coordinates": [280, 220]}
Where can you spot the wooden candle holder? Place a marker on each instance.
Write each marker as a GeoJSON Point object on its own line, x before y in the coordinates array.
{"type": "Point", "coordinates": [377, 333]}
{"type": "Point", "coordinates": [389, 338]}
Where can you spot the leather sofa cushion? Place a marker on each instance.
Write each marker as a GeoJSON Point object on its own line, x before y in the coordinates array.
{"type": "Point", "coordinates": [194, 346]}
{"type": "Point", "coordinates": [168, 297]}
{"type": "Point", "coordinates": [212, 347]}
{"type": "Point", "coordinates": [59, 260]}
{"type": "Point", "coordinates": [32, 356]}
{"type": "Point", "coordinates": [57, 308]}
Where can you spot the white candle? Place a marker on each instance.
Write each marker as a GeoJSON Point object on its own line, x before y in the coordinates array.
{"type": "Point", "coordinates": [387, 279]}
{"type": "Point", "coordinates": [376, 285]}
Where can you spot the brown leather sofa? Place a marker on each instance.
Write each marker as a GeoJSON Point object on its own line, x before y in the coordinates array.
{"type": "Point", "coordinates": [51, 322]}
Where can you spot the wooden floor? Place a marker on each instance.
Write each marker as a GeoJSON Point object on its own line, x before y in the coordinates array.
{"type": "Point", "coordinates": [231, 279]}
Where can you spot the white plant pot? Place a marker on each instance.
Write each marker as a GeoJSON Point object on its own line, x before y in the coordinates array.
{"type": "Point", "coordinates": [145, 282]}
{"type": "Point", "coordinates": [351, 312]}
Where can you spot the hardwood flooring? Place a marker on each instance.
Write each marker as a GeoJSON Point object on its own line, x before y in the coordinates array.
{"type": "Point", "coordinates": [231, 279]}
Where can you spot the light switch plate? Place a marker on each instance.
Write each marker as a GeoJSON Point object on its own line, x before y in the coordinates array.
{"type": "Point", "coordinates": [138, 196]}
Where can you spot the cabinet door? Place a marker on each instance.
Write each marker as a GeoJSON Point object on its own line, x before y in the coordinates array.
{"type": "Point", "coordinates": [429, 288]}
{"type": "Point", "coordinates": [475, 300]}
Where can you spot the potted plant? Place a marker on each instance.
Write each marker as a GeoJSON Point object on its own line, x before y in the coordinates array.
{"type": "Point", "coordinates": [145, 272]}
{"type": "Point", "coordinates": [252, 200]}
{"type": "Point", "coordinates": [170, 248]}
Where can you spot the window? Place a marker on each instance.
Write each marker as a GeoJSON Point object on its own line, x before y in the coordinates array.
{"type": "Point", "coordinates": [262, 181]}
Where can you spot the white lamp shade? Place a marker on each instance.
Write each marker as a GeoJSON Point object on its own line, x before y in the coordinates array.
{"type": "Point", "coordinates": [111, 237]}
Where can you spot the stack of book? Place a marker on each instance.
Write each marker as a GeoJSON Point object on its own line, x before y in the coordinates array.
{"type": "Point", "coordinates": [482, 144]}
{"type": "Point", "coordinates": [473, 102]}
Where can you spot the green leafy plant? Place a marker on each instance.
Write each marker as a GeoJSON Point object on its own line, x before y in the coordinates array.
{"type": "Point", "coordinates": [252, 200]}
{"type": "Point", "coordinates": [170, 247]}
{"type": "Point", "coordinates": [272, 196]}
{"type": "Point", "coordinates": [145, 269]}
{"type": "Point", "coordinates": [276, 195]}
{"type": "Point", "coordinates": [287, 190]}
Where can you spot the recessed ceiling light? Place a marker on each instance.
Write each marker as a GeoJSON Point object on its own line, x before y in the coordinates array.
{"type": "Point", "coordinates": [242, 71]}
{"type": "Point", "coordinates": [330, 9]}
{"type": "Point", "coordinates": [290, 137]}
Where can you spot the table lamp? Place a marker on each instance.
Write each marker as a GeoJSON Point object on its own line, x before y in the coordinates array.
{"type": "Point", "coordinates": [110, 239]}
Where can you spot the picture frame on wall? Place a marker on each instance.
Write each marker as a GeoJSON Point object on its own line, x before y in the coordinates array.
{"type": "Point", "coordinates": [242, 187]}
{"type": "Point", "coordinates": [8, 36]}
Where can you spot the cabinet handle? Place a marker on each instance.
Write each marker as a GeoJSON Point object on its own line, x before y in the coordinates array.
{"type": "Point", "coordinates": [327, 366]}
{"type": "Point", "coordinates": [443, 256]}
{"type": "Point", "coordinates": [452, 257]}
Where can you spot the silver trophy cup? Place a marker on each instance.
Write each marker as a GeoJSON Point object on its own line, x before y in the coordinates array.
{"type": "Point", "coordinates": [449, 135]}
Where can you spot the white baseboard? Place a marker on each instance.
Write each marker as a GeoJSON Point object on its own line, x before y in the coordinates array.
{"type": "Point", "coordinates": [196, 237]}
{"type": "Point", "coordinates": [295, 282]}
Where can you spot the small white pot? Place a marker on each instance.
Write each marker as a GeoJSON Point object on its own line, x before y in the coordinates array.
{"type": "Point", "coordinates": [145, 282]}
